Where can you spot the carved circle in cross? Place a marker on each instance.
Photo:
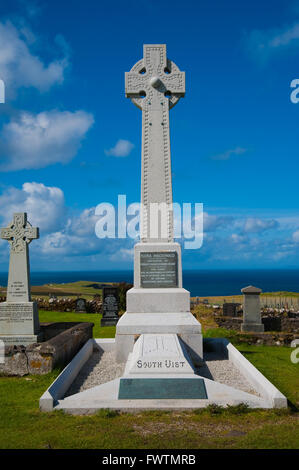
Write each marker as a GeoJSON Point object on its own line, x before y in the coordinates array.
{"type": "Point", "coordinates": [155, 82]}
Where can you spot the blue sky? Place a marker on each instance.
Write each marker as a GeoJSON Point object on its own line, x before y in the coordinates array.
{"type": "Point", "coordinates": [69, 139]}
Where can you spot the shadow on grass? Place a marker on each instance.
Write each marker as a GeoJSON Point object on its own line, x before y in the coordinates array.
{"type": "Point", "coordinates": [293, 407]}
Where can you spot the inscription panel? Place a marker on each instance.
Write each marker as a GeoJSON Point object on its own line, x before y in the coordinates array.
{"type": "Point", "coordinates": [159, 269]}
{"type": "Point", "coordinates": [162, 388]}
{"type": "Point", "coordinates": [160, 354]}
{"type": "Point", "coordinates": [16, 312]}
{"type": "Point", "coordinates": [20, 340]}
{"type": "Point", "coordinates": [17, 290]}
{"type": "Point", "coordinates": [110, 306]}
{"type": "Point", "coordinates": [17, 318]}
{"type": "Point", "coordinates": [110, 301]}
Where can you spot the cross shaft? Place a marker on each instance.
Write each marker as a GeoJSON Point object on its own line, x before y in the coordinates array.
{"type": "Point", "coordinates": [155, 84]}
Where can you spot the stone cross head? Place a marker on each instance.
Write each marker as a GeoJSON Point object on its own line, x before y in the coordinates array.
{"type": "Point", "coordinates": [19, 232]}
{"type": "Point", "coordinates": [154, 78]}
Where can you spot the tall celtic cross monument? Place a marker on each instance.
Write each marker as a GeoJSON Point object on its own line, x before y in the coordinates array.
{"type": "Point", "coordinates": [157, 303]}
{"type": "Point", "coordinates": [18, 315]}
{"type": "Point", "coordinates": [155, 85]}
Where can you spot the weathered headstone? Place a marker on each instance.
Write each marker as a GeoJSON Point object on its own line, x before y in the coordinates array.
{"type": "Point", "coordinates": [230, 309]}
{"type": "Point", "coordinates": [157, 303]}
{"type": "Point", "coordinates": [109, 306]}
{"type": "Point", "coordinates": [19, 322]}
{"type": "Point", "coordinates": [252, 321]}
{"type": "Point", "coordinates": [80, 305]}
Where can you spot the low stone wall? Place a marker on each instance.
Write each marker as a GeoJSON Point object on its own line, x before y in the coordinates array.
{"type": "Point", "coordinates": [288, 325]}
{"type": "Point", "coordinates": [271, 323]}
{"type": "Point", "coordinates": [68, 305]}
{"type": "Point", "coordinates": [272, 336]}
{"type": "Point", "coordinates": [269, 339]}
{"type": "Point", "coordinates": [64, 304]}
{"type": "Point", "coordinates": [62, 342]}
{"type": "Point", "coordinates": [229, 323]}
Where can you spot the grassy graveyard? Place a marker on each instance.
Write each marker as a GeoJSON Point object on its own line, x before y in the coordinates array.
{"type": "Point", "coordinates": [98, 331]}
{"type": "Point", "coordinates": [22, 425]}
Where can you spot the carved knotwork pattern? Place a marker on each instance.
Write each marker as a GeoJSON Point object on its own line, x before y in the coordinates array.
{"type": "Point", "coordinates": [19, 233]}
{"type": "Point", "coordinates": [174, 81]}
{"type": "Point", "coordinates": [155, 105]}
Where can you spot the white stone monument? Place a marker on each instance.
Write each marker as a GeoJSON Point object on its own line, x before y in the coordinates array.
{"type": "Point", "coordinates": [157, 337]}
{"type": "Point", "coordinates": [252, 321]}
{"type": "Point", "coordinates": [19, 322]}
{"type": "Point", "coordinates": [157, 304]}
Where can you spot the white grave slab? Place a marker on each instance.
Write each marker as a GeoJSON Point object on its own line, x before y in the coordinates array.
{"type": "Point", "coordinates": [159, 354]}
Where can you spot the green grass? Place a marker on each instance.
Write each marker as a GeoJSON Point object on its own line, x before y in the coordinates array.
{"type": "Point", "coordinates": [77, 288]}
{"type": "Point", "coordinates": [273, 361]}
{"type": "Point", "coordinates": [98, 331]}
{"type": "Point", "coordinates": [22, 425]}
{"type": "Point", "coordinates": [278, 369]}
{"type": "Point", "coordinates": [281, 294]}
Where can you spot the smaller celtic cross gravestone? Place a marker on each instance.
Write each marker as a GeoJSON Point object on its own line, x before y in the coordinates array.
{"type": "Point", "coordinates": [19, 234]}
{"type": "Point", "coordinates": [18, 315]}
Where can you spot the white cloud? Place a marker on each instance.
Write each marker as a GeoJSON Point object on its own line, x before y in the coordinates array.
{"type": "Point", "coordinates": [38, 140]}
{"type": "Point", "coordinates": [84, 224]}
{"type": "Point", "coordinates": [238, 239]}
{"type": "Point", "coordinates": [63, 234]}
{"type": "Point", "coordinates": [213, 222]}
{"type": "Point", "coordinates": [229, 153]}
{"type": "Point", "coordinates": [124, 254]}
{"type": "Point", "coordinates": [296, 236]}
{"type": "Point", "coordinates": [44, 205]}
{"type": "Point", "coordinates": [63, 243]}
{"type": "Point", "coordinates": [20, 67]}
{"type": "Point", "coordinates": [254, 224]}
{"type": "Point", "coordinates": [122, 148]}
{"type": "Point", "coordinates": [263, 44]}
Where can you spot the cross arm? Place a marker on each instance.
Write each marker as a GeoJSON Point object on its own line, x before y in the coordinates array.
{"type": "Point", "coordinates": [134, 83]}
{"type": "Point", "coordinates": [6, 233]}
{"type": "Point", "coordinates": [175, 82]}
{"type": "Point", "coordinates": [31, 232]}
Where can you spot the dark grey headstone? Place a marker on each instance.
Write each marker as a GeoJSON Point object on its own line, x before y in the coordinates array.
{"type": "Point", "coordinates": [161, 388]}
{"type": "Point", "coordinates": [159, 269]}
{"type": "Point", "coordinates": [230, 309]}
{"type": "Point", "coordinates": [80, 305]}
{"type": "Point", "coordinates": [110, 306]}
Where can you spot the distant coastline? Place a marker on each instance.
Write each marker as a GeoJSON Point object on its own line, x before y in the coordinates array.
{"type": "Point", "coordinates": [199, 282]}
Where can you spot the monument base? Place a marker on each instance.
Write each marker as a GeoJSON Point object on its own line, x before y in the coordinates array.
{"type": "Point", "coordinates": [131, 325]}
{"type": "Point", "coordinates": [161, 300]}
{"type": "Point", "coordinates": [252, 327]}
{"type": "Point", "coordinates": [18, 340]}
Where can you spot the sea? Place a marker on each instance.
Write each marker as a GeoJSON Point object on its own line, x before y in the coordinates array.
{"type": "Point", "coordinates": [200, 282]}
